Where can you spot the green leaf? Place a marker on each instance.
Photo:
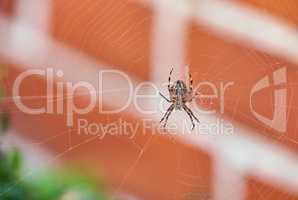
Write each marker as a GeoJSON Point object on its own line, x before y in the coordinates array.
{"type": "Point", "coordinates": [49, 185]}
{"type": "Point", "coordinates": [4, 121]}
{"type": "Point", "coordinates": [15, 161]}
{"type": "Point", "coordinates": [65, 185]}
{"type": "Point", "coordinates": [13, 191]}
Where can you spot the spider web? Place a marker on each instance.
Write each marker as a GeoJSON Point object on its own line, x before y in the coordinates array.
{"type": "Point", "coordinates": [182, 176]}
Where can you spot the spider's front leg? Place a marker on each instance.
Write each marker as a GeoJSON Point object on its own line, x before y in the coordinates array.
{"type": "Point", "coordinates": [193, 96]}
{"type": "Point", "coordinates": [190, 83]}
{"type": "Point", "coordinates": [169, 79]}
{"type": "Point", "coordinates": [163, 96]}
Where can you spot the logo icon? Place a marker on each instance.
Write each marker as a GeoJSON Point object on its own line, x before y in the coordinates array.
{"type": "Point", "coordinates": [279, 118]}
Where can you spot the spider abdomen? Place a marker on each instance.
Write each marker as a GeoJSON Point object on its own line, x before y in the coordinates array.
{"type": "Point", "coordinates": [179, 94]}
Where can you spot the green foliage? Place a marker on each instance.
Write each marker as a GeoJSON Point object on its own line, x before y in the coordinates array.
{"type": "Point", "coordinates": [4, 116]}
{"type": "Point", "coordinates": [11, 188]}
{"type": "Point", "coordinates": [4, 121]}
{"type": "Point", "coordinates": [65, 185]}
{"type": "Point", "coordinates": [51, 185]}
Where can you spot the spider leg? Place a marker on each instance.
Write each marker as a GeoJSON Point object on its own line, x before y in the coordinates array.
{"type": "Point", "coordinates": [169, 80]}
{"type": "Point", "coordinates": [165, 115]}
{"type": "Point", "coordinates": [163, 96]}
{"type": "Point", "coordinates": [169, 113]}
{"type": "Point", "coordinates": [190, 82]}
{"type": "Point", "coordinates": [194, 96]}
{"type": "Point", "coordinates": [190, 116]}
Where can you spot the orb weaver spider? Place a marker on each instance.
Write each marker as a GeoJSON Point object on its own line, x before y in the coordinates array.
{"type": "Point", "coordinates": [179, 96]}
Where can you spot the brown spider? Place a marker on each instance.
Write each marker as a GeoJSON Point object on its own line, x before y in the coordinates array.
{"type": "Point", "coordinates": [179, 96]}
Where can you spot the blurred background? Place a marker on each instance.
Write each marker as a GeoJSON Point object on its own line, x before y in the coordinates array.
{"type": "Point", "coordinates": [242, 52]}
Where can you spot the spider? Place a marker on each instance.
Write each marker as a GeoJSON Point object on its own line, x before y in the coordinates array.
{"type": "Point", "coordinates": [179, 96]}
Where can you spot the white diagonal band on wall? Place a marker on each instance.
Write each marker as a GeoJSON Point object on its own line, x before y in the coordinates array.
{"type": "Point", "coordinates": [229, 183]}
{"type": "Point", "coordinates": [241, 24]}
{"type": "Point", "coordinates": [168, 43]}
{"type": "Point", "coordinates": [36, 14]}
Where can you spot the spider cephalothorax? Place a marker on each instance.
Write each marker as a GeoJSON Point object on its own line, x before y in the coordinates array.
{"type": "Point", "coordinates": [180, 94]}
